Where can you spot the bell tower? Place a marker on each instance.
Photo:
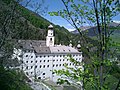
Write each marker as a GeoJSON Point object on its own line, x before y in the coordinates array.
{"type": "Point", "coordinates": [50, 36]}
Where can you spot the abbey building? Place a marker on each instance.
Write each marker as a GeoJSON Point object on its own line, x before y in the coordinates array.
{"type": "Point", "coordinates": [40, 57]}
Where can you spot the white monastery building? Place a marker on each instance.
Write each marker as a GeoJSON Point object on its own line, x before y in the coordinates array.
{"type": "Point", "coordinates": [40, 57]}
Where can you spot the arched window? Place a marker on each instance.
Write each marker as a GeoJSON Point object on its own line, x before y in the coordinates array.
{"type": "Point", "coordinates": [50, 39]}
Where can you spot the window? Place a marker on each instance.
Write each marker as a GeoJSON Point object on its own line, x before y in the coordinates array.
{"type": "Point", "coordinates": [26, 55]}
{"type": "Point", "coordinates": [21, 61]}
{"type": "Point", "coordinates": [60, 59]}
{"type": "Point", "coordinates": [70, 64]}
{"type": "Point", "coordinates": [27, 67]}
{"type": "Point", "coordinates": [31, 72]}
{"type": "Point", "coordinates": [40, 60]}
{"type": "Point", "coordinates": [40, 66]}
{"type": "Point", "coordinates": [40, 56]}
{"type": "Point", "coordinates": [31, 67]}
{"type": "Point", "coordinates": [53, 72]}
{"type": "Point", "coordinates": [50, 39]}
{"type": "Point", "coordinates": [27, 73]}
{"type": "Point", "coordinates": [63, 60]}
{"type": "Point", "coordinates": [35, 66]}
{"type": "Point", "coordinates": [56, 65]}
{"type": "Point", "coordinates": [26, 61]}
{"type": "Point", "coordinates": [60, 55]}
{"type": "Point", "coordinates": [47, 65]}
{"type": "Point", "coordinates": [48, 55]}
{"type": "Point", "coordinates": [53, 60]}
{"type": "Point", "coordinates": [31, 56]}
{"type": "Point", "coordinates": [53, 65]}
{"type": "Point", "coordinates": [36, 56]}
{"type": "Point", "coordinates": [48, 61]}
{"type": "Point", "coordinates": [44, 60]}
{"type": "Point", "coordinates": [39, 77]}
{"type": "Point", "coordinates": [43, 73]}
{"type": "Point", "coordinates": [31, 61]}
{"type": "Point", "coordinates": [63, 64]}
{"type": "Point", "coordinates": [36, 61]}
{"type": "Point", "coordinates": [60, 65]}
{"type": "Point", "coordinates": [43, 66]}
{"type": "Point", "coordinates": [44, 56]}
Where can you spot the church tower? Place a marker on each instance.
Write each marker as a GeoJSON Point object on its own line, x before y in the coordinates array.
{"type": "Point", "coordinates": [50, 36]}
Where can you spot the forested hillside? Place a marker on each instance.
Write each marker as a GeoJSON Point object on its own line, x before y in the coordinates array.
{"type": "Point", "coordinates": [29, 25]}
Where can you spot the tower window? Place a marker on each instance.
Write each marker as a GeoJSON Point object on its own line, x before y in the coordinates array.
{"type": "Point", "coordinates": [50, 39]}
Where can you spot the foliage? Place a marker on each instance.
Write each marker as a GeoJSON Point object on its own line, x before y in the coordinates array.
{"type": "Point", "coordinates": [12, 80]}
{"type": "Point", "coordinates": [100, 55]}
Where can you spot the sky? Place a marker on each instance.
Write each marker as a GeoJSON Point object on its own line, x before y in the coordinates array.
{"type": "Point", "coordinates": [56, 5]}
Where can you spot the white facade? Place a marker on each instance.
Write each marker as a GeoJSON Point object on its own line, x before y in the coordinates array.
{"type": "Point", "coordinates": [40, 61]}
{"type": "Point", "coordinates": [42, 65]}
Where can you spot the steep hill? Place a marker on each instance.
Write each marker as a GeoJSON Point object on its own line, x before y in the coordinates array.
{"type": "Point", "coordinates": [26, 24]}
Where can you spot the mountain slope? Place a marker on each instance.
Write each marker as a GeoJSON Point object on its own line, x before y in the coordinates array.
{"type": "Point", "coordinates": [92, 31]}
{"type": "Point", "coordinates": [29, 25]}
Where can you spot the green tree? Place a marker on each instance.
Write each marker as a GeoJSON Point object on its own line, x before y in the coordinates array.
{"type": "Point", "coordinates": [97, 13]}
